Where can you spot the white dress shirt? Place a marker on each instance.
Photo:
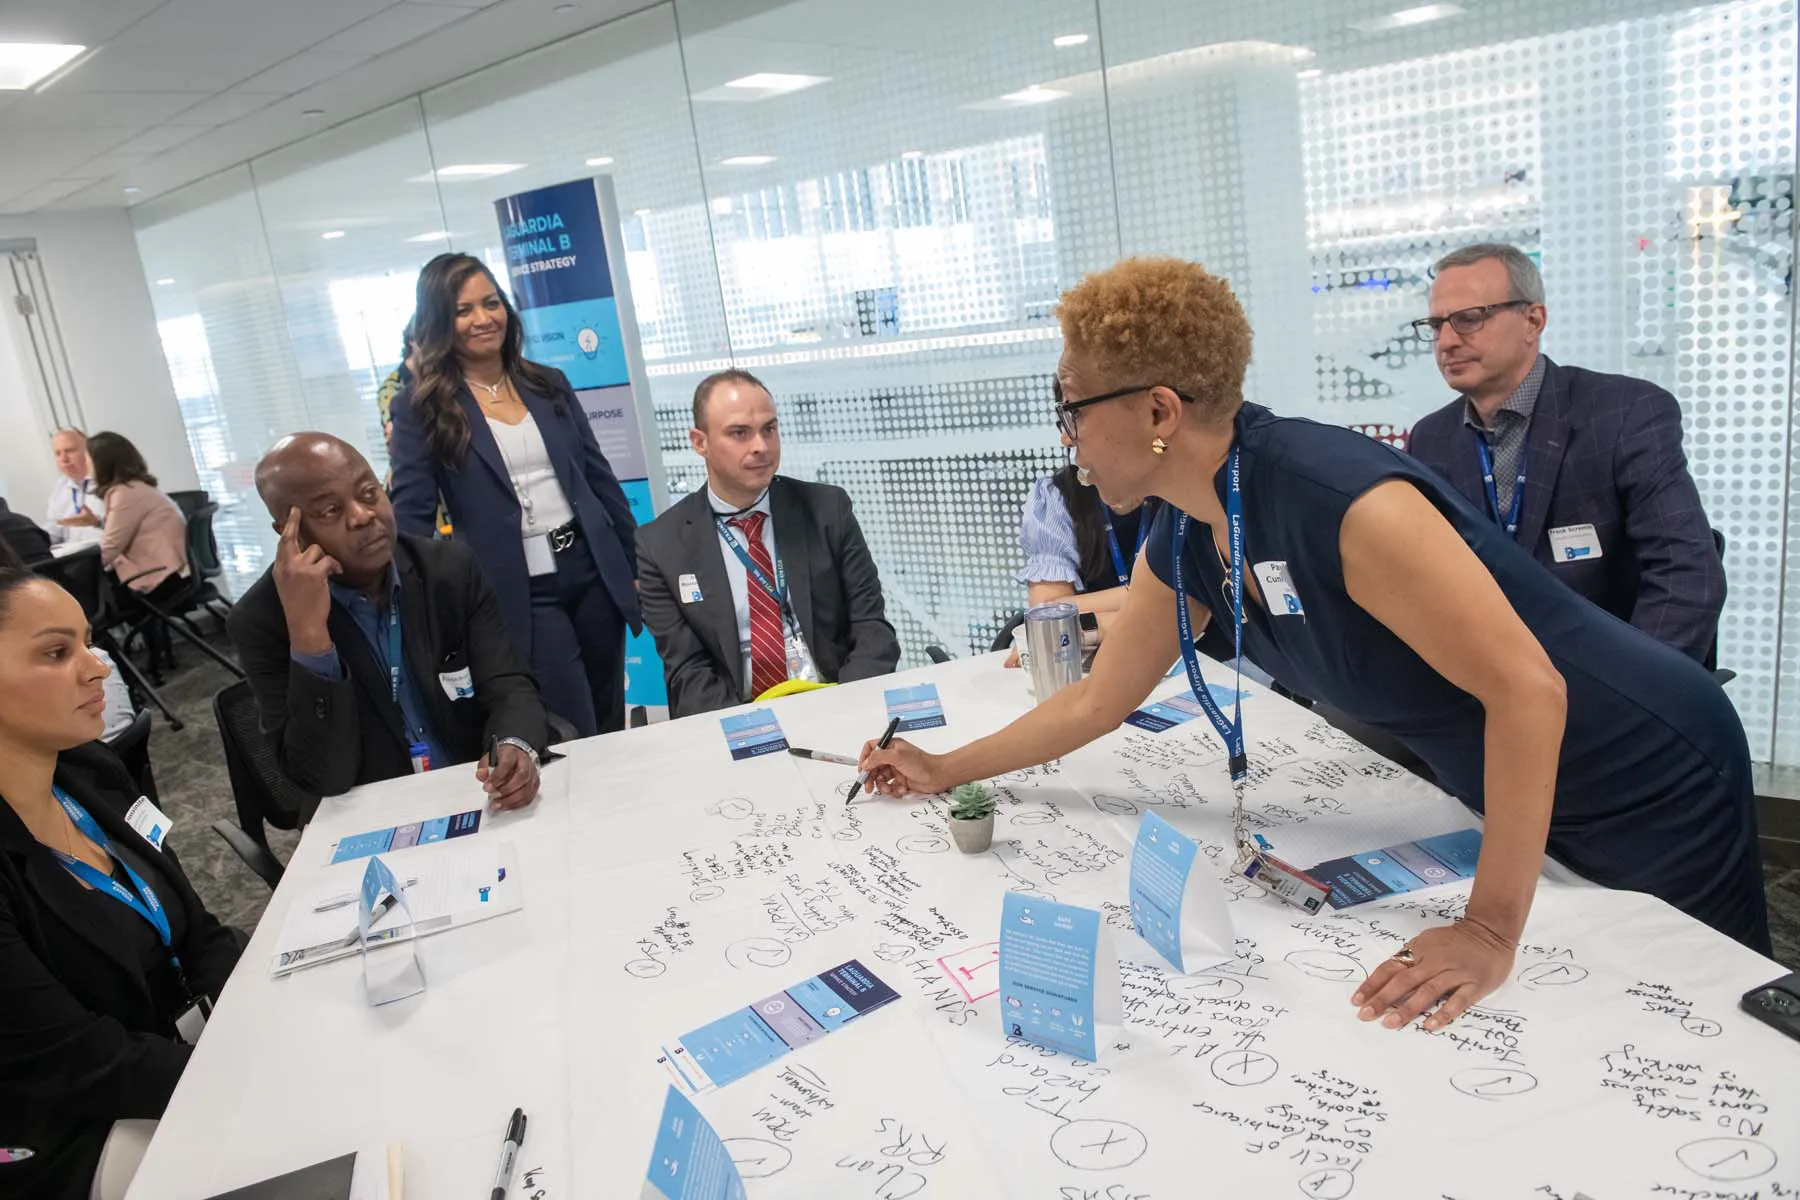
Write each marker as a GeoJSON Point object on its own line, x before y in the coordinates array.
{"type": "Point", "coordinates": [734, 566]}
{"type": "Point", "coordinates": [66, 499]}
{"type": "Point", "coordinates": [542, 505]}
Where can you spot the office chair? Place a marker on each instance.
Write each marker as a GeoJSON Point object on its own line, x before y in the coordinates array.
{"type": "Point", "coordinates": [81, 575]}
{"type": "Point", "coordinates": [133, 748]}
{"type": "Point", "coordinates": [204, 561]}
{"type": "Point", "coordinates": [262, 794]}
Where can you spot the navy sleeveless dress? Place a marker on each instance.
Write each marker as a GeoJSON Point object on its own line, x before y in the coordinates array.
{"type": "Point", "coordinates": [1653, 788]}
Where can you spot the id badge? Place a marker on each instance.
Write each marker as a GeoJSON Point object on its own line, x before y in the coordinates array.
{"type": "Point", "coordinates": [1286, 883]}
{"type": "Point", "coordinates": [148, 821]}
{"type": "Point", "coordinates": [799, 659]}
{"type": "Point", "coordinates": [420, 754]}
{"type": "Point", "coordinates": [1575, 543]}
{"type": "Point", "coordinates": [192, 1023]}
{"type": "Point", "coordinates": [457, 685]}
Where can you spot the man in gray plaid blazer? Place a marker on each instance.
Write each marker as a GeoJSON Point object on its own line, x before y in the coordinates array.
{"type": "Point", "coordinates": [1584, 469]}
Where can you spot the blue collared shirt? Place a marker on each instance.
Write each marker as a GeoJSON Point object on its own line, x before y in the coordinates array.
{"type": "Point", "coordinates": [372, 622]}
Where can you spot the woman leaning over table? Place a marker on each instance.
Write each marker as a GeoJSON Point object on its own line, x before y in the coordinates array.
{"type": "Point", "coordinates": [104, 947]}
{"type": "Point", "coordinates": [1370, 584]}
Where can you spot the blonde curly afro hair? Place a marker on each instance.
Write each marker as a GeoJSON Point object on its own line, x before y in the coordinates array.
{"type": "Point", "coordinates": [1162, 321]}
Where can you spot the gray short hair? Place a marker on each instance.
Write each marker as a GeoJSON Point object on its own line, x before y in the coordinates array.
{"type": "Point", "coordinates": [1522, 276]}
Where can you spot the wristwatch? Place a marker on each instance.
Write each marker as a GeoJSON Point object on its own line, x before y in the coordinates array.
{"type": "Point", "coordinates": [523, 745]}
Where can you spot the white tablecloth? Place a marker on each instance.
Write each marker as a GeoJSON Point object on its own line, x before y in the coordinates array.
{"type": "Point", "coordinates": [666, 885]}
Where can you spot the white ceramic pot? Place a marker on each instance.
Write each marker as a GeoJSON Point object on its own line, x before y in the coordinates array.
{"type": "Point", "coordinates": [973, 837]}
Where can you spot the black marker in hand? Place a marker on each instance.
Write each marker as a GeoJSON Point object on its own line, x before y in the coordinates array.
{"type": "Point", "coordinates": [862, 779]}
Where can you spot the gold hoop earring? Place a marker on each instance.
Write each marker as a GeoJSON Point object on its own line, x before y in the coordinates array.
{"type": "Point", "coordinates": [1158, 446]}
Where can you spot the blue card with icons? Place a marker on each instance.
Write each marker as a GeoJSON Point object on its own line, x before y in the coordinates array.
{"type": "Point", "coordinates": [1051, 956]}
{"type": "Point", "coordinates": [753, 734]}
{"type": "Point", "coordinates": [689, 1161]}
{"type": "Point", "coordinates": [1407, 867]}
{"type": "Point", "coordinates": [917, 707]}
{"type": "Point", "coordinates": [1180, 709]}
{"type": "Point", "coordinates": [1161, 860]}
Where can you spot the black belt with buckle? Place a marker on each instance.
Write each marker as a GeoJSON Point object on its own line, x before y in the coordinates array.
{"type": "Point", "coordinates": [564, 536]}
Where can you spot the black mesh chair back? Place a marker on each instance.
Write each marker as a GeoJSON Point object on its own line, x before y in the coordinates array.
{"type": "Point", "coordinates": [188, 501]}
{"type": "Point", "coordinates": [202, 546]}
{"type": "Point", "coordinates": [1003, 639]}
{"type": "Point", "coordinates": [82, 576]}
{"type": "Point", "coordinates": [264, 796]}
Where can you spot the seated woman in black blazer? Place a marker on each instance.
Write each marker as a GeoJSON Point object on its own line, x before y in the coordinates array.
{"type": "Point", "coordinates": [104, 947]}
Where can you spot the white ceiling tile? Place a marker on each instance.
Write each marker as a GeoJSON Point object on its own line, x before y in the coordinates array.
{"type": "Point", "coordinates": [223, 108]}
{"type": "Point", "coordinates": [198, 27]}
{"type": "Point", "coordinates": [78, 22]}
{"type": "Point", "coordinates": [161, 139]}
{"type": "Point", "coordinates": [391, 28]}
{"type": "Point", "coordinates": [64, 110]}
{"type": "Point", "coordinates": [300, 72]}
{"type": "Point", "coordinates": [126, 67]}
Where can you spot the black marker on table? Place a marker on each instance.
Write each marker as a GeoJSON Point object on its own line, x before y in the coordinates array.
{"type": "Point", "coordinates": [821, 756]}
{"type": "Point", "coordinates": [862, 780]}
{"type": "Point", "coordinates": [509, 1150]}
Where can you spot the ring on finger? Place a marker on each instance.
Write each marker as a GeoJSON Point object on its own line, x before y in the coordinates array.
{"type": "Point", "coordinates": [1405, 956]}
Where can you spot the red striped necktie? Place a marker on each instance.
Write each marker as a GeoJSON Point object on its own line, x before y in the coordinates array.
{"type": "Point", "coordinates": [768, 640]}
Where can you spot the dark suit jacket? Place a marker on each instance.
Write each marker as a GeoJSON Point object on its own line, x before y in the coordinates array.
{"type": "Point", "coordinates": [1605, 450]}
{"type": "Point", "coordinates": [331, 735]}
{"type": "Point", "coordinates": [484, 509]}
{"type": "Point", "coordinates": [832, 582]}
{"type": "Point", "coordinates": [85, 1039]}
{"type": "Point", "coordinates": [28, 541]}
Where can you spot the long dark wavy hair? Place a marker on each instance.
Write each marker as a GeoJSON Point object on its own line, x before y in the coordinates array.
{"type": "Point", "coordinates": [437, 389]}
{"type": "Point", "coordinates": [116, 461]}
{"type": "Point", "coordinates": [1084, 505]}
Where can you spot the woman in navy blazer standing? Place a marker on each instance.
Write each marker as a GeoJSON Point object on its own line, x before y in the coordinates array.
{"type": "Point", "coordinates": [502, 441]}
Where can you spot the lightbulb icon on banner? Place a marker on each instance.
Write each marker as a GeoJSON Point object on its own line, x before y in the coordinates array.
{"type": "Point", "coordinates": [589, 341]}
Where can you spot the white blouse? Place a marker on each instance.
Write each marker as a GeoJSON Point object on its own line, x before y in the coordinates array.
{"type": "Point", "coordinates": [542, 505]}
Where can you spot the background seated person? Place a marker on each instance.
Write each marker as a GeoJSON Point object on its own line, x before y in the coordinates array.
{"type": "Point", "coordinates": [374, 655]}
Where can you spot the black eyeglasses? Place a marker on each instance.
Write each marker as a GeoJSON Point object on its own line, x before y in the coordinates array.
{"type": "Point", "coordinates": [1464, 320]}
{"type": "Point", "coordinates": [1065, 412]}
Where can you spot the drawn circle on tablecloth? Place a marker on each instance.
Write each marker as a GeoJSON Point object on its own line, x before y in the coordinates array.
{"type": "Point", "coordinates": [1328, 965]}
{"type": "Point", "coordinates": [923, 843]}
{"type": "Point", "coordinates": [1493, 1083]}
{"type": "Point", "coordinates": [644, 968]}
{"type": "Point", "coordinates": [1727, 1159]}
{"type": "Point", "coordinates": [1097, 1145]}
{"type": "Point", "coordinates": [757, 1158]}
{"type": "Point", "coordinates": [1244, 1068]}
{"type": "Point", "coordinates": [1700, 1026]}
{"type": "Point", "coordinates": [733, 808]}
{"type": "Point", "coordinates": [1115, 806]}
{"type": "Point", "coordinates": [705, 892]}
{"type": "Point", "coordinates": [1328, 1183]}
{"type": "Point", "coordinates": [1552, 974]}
{"type": "Point", "coordinates": [1035, 816]}
{"type": "Point", "coordinates": [758, 952]}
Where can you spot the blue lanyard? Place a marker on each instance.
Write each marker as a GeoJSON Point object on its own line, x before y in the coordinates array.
{"type": "Point", "coordinates": [1486, 456]}
{"type": "Point", "coordinates": [395, 659]}
{"type": "Point", "coordinates": [76, 497]}
{"type": "Point", "coordinates": [777, 587]}
{"type": "Point", "coordinates": [1112, 541]}
{"type": "Point", "coordinates": [1231, 731]}
{"type": "Point", "coordinates": [142, 901]}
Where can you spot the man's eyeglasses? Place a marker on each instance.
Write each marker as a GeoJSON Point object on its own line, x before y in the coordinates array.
{"type": "Point", "coordinates": [1065, 411]}
{"type": "Point", "coordinates": [1464, 320]}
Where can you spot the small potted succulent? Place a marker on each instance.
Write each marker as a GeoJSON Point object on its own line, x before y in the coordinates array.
{"type": "Point", "coordinates": [972, 817]}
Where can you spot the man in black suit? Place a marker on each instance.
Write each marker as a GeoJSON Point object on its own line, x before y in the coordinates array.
{"type": "Point", "coordinates": [374, 655]}
{"type": "Point", "coordinates": [1585, 470]}
{"type": "Point", "coordinates": [755, 578]}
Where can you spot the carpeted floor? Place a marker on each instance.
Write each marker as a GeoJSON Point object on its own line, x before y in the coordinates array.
{"type": "Point", "coordinates": [195, 792]}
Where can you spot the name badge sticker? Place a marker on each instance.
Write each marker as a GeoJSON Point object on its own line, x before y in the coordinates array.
{"type": "Point", "coordinates": [1575, 543]}
{"type": "Point", "coordinates": [1278, 590]}
{"type": "Point", "coordinates": [458, 685]}
{"type": "Point", "coordinates": [688, 588]}
{"type": "Point", "coordinates": [149, 821]}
